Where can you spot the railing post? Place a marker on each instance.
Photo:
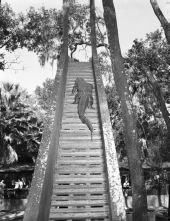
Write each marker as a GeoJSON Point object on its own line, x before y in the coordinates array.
{"type": "Point", "coordinates": [117, 204]}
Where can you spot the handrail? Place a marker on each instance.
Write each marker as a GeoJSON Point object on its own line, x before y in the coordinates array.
{"type": "Point", "coordinates": [39, 199]}
{"type": "Point", "coordinates": [117, 204]}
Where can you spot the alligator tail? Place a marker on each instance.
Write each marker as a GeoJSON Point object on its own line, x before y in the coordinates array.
{"type": "Point", "coordinates": [84, 120]}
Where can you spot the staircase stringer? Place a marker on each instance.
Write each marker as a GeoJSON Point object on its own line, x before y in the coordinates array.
{"type": "Point", "coordinates": [39, 198]}
{"type": "Point", "coordinates": [117, 202]}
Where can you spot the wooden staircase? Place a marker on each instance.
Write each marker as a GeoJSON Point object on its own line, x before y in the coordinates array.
{"type": "Point", "coordinates": [80, 185]}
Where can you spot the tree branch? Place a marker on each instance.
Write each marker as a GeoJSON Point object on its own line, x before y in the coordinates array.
{"type": "Point", "coordinates": [164, 22]}
{"type": "Point", "coordinates": [88, 44]}
{"type": "Point", "coordinates": [158, 12]}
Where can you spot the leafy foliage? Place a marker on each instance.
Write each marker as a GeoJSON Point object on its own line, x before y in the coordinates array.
{"type": "Point", "coordinates": [20, 129]}
{"type": "Point", "coordinates": [7, 26]}
{"type": "Point", "coordinates": [151, 54]}
{"type": "Point", "coordinates": [116, 120]}
{"type": "Point", "coordinates": [11, 33]}
{"type": "Point", "coordinates": [42, 31]}
{"type": "Point", "coordinates": [44, 93]}
{"type": "Point", "coordinates": [143, 59]}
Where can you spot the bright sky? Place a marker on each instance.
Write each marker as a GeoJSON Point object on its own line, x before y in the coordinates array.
{"type": "Point", "coordinates": [135, 18]}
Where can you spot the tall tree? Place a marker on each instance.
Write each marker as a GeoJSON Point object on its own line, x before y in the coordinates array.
{"type": "Point", "coordinates": [134, 157]}
{"type": "Point", "coordinates": [149, 75]}
{"type": "Point", "coordinates": [164, 22]}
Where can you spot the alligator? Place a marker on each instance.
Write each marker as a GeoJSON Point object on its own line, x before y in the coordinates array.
{"type": "Point", "coordinates": [84, 99]}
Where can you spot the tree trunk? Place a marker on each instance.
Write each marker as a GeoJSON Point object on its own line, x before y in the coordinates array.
{"type": "Point", "coordinates": [158, 94]}
{"type": "Point", "coordinates": [2, 149]}
{"type": "Point", "coordinates": [164, 22]}
{"type": "Point", "coordinates": [159, 191]}
{"type": "Point", "coordinates": [169, 198]}
{"type": "Point", "coordinates": [133, 152]}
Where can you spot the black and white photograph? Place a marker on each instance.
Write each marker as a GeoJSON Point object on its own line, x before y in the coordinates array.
{"type": "Point", "coordinates": [85, 110]}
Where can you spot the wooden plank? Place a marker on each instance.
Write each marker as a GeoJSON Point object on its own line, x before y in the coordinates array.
{"type": "Point", "coordinates": [86, 186]}
{"type": "Point", "coordinates": [81, 131]}
{"type": "Point", "coordinates": [80, 210]}
{"type": "Point", "coordinates": [79, 203]}
{"type": "Point", "coordinates": [82, 138]}
{"type": "Point", "coordinates": [81, 159]}
{"type": "Point", "coordinates": [84, 74]}
{"type": "Point", "coordinates": [82, 166]}
{"type": "Point", "coordinates": [75, 118]}
{"type": "Point", "coordinates": [77, 71]}
{"type": "Point", "coordinates": [78, 197]}
{"type": "Point", "coordinates": [82, 195]}
{"type": "Point", "coordinates": [71, 147]}
{"type": "Point", "coordinates": [80, 176]}
{"type": "Point", "coordinates": [87, 74]}
{"type": "Point", "coordinates": [76, 135]}
{"type": "Point", "coordinates": [67, 129]}
{"type": "Point", "coordinates": [79, 144]}
{"type": "Point", "coordinates": [69, 89]}
{"type": "Point", "coordinates": [78, 161]}
{"type": "Point", "coordinates": [73, 107]}
{"type": "Point", "coordinates": [78, 149]}
{"type": "Point", "coordinates": [69, 113]}
{"type": "Point", "coordinates": [83, 126]}
{"type": "Point", "coordinates": [78, 132]}
{"type": "Point", "coordinates": [79, 170]}
{"type": "Point", "coordinates": [78, 180]}
{"type": "Point", "coordinates": [78, 190]}
{"type": "Point", "coordinates": [78, 216]}
{"type": "Point", "coordinates": [82, 153]}
{"type": "Point", "coordinates": [75, 114]}
{"type": "Point", "coordinates": [78, 121]}
{"type": "Point", "coordinates": [69, 103]}
{"type": "Point", "coordinates": [70, 98]}
{"type": "Point", "coordinates": [88, 79]}
{"type": "Point", "coordinates": [89, 143]}
{"type": "Point", "coordinates": [82, 150]}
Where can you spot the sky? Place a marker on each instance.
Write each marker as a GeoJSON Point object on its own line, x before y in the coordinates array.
{"type": "Point", "coordinates": [135, 18]}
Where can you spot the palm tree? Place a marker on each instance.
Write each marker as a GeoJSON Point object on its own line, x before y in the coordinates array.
{"type": "Point", "coordinates": [20, 128]}
{"type": "Point", "coordinates": [9, 98]}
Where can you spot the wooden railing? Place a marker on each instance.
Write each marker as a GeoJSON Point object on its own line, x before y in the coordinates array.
{"type": "Point", "coordinates": [117, 204]}
{"type": "Point", "coordinates": [39, 199]}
